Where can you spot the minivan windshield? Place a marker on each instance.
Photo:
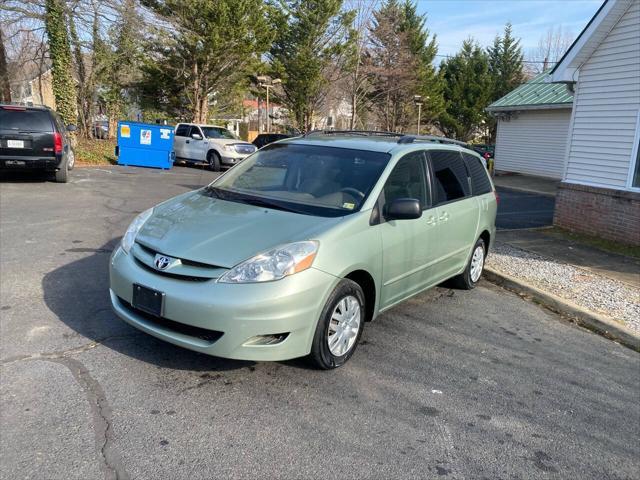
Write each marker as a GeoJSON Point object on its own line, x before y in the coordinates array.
{"type": "Point", "coordinates": [314, 180]}
{"type": "Point", "coordinates": [217, 132]}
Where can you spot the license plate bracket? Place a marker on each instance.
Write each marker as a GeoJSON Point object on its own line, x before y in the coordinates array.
{"type": "Point", "coordinates": [148, 300]}
{"type": "Point", "coordinates": [15, 143]}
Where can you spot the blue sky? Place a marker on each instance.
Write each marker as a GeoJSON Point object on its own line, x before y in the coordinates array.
{"type": "Point", "coordinates": [455, 20]}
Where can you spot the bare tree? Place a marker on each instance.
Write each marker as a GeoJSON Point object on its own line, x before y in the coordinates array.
{"type": "Point", "coordinates": [356, 81]}
{"type": "Point", "coordinates": [551, 47]}
{"type": "Point", "coordinates": [5, 88]}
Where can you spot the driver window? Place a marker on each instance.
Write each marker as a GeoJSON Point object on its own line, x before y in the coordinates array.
{"type": "Point", "coordinates": [195, 130]}
{"type": "Point", "coordinates": [407, 180]}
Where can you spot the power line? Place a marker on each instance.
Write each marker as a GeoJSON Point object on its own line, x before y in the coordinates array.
{"type": "Point", "coordinates": [523, 61]}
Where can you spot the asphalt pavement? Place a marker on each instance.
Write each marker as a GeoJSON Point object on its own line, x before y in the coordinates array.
{"type": "Point", "coordinates": [450, 384]}
{"type": "Point", "coordinates": [518, 209]}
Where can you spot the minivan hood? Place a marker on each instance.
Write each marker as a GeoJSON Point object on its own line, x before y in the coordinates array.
{"type": "Point", "coordinates": [219, 232]}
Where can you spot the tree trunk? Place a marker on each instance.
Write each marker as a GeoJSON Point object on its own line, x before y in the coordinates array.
{"type": "Point", "coordinates": [5, 89]}
{"type": "Point", "coordinates": [64, 89]}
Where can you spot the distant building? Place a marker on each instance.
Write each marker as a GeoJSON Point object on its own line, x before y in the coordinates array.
{"type": "Point", "coordinates": [533, 123]}
{"type": "Point", "coordinates": [34, 87]}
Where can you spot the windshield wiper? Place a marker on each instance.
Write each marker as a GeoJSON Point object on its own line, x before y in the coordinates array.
{"type": "Point", "coordinates": [259, 202]}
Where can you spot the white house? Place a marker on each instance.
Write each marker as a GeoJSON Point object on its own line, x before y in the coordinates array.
{"type": "Point", "coordinates": [600, 189]}
{"type": "Point", "coordinates": [533, 122]}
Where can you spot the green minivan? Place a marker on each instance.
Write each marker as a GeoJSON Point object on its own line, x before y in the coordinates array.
{"type": "Point", "coordinates": [289, 253]}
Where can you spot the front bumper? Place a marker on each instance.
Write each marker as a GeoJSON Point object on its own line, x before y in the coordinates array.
{"type": "Point", "coordinates": [232, 160]}
{"type": "Point", "coordinates": [238, 311]}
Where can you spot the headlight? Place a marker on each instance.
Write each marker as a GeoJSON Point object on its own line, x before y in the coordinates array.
{"type": "Point", "coordinates": [274, 264]}
{"type": "Point", "coordinates": [134, 228]}
{"type": "Point", "coordinates": [229, 148]}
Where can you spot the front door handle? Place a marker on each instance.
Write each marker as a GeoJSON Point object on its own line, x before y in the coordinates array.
{"type": "Point", "coordinates": [444, 217]}
{"type": "Point", "coordinates": [431, 220]}
{"type": "Point", "coordinates": [186, 141]}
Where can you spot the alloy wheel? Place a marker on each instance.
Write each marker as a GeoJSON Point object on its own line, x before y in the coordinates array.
{"type": "Point", "coordinates": [344, 326]}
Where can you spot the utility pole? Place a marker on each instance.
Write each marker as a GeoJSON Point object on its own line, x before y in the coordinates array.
{"type": "Point", "coordinates": [268, 83]}
{"type": "Point", "coordinates": [418, 100]}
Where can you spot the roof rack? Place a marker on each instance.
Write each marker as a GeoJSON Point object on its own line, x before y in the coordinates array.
{"type": "Point", "coordinates": [364, 133]}
{"type": "Point", "coordinates": [430, 138]}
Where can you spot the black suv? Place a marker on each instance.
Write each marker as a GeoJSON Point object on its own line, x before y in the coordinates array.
{"type": "Point", "coordinates": [35, 138]}
{"type": "Point", "coordinates": [267, 138]}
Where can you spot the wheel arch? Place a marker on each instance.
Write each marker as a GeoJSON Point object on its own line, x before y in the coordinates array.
{"type": "Point", "coordinates": [485, 236]}
{"type": "Point", "coordinates": [368, 285]}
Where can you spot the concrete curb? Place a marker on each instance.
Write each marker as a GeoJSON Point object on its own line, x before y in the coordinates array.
{"type": "Point", "coordinates": [585, 318]}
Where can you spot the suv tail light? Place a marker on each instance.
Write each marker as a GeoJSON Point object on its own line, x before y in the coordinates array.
{"type": "Point", "coordinates": [57, 143]}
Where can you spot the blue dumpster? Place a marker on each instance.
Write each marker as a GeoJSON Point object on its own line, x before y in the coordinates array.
{"type": "Point", "coordinates": [145, 145]}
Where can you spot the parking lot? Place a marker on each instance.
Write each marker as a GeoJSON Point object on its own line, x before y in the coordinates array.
{"type": "Point", "coordinates": [450, 384]}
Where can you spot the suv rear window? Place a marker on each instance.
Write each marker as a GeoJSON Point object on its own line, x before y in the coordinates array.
{"type": "Point", "coordinates": [480, 183]}
{"type": "Point", "coordinates": [25, 120]}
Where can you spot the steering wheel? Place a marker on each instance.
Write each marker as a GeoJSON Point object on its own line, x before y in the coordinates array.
{"type": "Point", "coordinates": [353, 192]}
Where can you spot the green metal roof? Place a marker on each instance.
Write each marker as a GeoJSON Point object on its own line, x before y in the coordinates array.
{"type": "Point", "coordinates": [536, 93]}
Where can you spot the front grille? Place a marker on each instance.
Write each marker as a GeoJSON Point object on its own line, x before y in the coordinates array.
{"type": "Point", "coordinates": [186, 278]}
{"type": "Point", "coordinates": [189, 330]}
{"type": "Point", "coordinates": [241, 148]}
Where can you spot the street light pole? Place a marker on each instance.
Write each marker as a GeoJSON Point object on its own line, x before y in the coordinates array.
{"type": "Point", "coordinates": [268, 83]}
{"type": "Point", "coordinates": [418, 100]}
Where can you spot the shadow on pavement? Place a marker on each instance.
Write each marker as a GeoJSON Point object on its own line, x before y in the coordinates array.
{"type": "Point", "coordinates": [78, 293]}
{"type": "Point", "coordinates": [8, 176]}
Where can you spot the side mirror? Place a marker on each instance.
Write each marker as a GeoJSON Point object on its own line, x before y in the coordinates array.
{"type": "Point", "coordinates": [403, 209]}
{"type": "Point", "coordinates": [71, 128]}
{"type": "Point", "coordinates": [196, 136]}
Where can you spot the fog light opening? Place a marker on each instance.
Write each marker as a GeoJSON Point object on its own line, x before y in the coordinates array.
{"type": "Point", "coordinates": [273, 339]}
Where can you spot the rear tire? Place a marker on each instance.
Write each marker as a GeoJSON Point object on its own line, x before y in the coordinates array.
{"type": "Point", "coordinates": [468, 279]}
{"type": "Point", "coordinates": [71, 160]}
{"type": "Point", "coordinates": [213, 159]}
{"type": "Point", "coordinates": [340, 326]}
{"type": "Point", "coordinates": [62, 174]}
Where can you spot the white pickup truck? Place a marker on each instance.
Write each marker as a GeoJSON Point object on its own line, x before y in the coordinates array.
{"type": "Point", "coordinates": [209, 144]}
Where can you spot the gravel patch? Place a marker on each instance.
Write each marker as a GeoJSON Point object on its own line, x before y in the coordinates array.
{"type": "Point", "coordinates": [594, 292]}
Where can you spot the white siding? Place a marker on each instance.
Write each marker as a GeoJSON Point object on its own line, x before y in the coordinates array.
{"type": "Point", "coordinates": [533, 142]}
{"type": "Point", "coordinates": [606, 107]}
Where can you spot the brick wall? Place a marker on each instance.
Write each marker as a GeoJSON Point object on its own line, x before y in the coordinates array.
{"type": "Point", "coordinates": [604, 212]}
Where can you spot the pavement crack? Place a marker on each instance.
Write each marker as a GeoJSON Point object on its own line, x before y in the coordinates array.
{"type": "Point", "coordinates": [61, 353]}
{"type": "Point", "coordinates": [101, 412]}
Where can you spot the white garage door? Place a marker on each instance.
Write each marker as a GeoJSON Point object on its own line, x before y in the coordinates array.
{"type": "Point", "coordinates": [533, 143]}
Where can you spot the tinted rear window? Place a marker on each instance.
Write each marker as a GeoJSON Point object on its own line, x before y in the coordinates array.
{"type": "Point", "coordinates": [26, 120]}
{"type": "Point", "coordinates": [450, 176]}
{"type": "Point", "coordinates": [480, 183]}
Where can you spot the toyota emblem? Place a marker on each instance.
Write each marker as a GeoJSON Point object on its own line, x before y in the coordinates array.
{"type": "Point", "coordinates": [161, 262]}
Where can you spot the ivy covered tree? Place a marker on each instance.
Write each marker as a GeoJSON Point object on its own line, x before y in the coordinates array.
{"type": "Point", "coordinates": [467, 91]}
{"type": "Point", "coordinates": [64, 89]}
{"type": "Point", "coordinates": [313, 38]}
{"type": "Point", "coordinates": [5, 88]}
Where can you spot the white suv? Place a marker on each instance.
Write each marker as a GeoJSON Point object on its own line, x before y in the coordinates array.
{"type": "Point", "coordinates": [215, 146]}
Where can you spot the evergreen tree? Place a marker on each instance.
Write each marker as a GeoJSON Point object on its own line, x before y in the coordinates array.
{"type": "Point", "coordinates": [425, 48]}
{"type": "Point", "coordinates": [312, 39]}
{"type": "Point", "coordinates": [506, 69]}
{"type": "Point", "coordinates": [467, 91]}
{"type": "Point", "coordinates": [211, 46]}
{"type": "Point", "coordinates": [505, 63]}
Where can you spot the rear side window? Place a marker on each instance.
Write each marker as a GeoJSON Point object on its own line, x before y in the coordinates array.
{"type": "Point", "coordinates": [449, 176]}
{"type": "Point", "coordinates": [182, 131]}
{"type": "Point", "coordinates": [480, 183]}
{"type": "Point", "coordinates": [26, 120]}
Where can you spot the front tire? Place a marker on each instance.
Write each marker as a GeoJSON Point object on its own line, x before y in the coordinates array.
{"type": "Point", "coordinates": [213, 159]}
{"type": "Point", "coordinates": [339, 327]}
{"type": "Point", "coordinates": [468, 279]}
